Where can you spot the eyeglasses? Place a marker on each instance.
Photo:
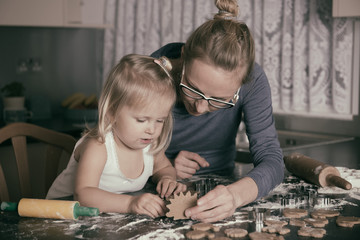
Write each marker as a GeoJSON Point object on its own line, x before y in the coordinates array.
{"type": "Point", "coordinates": [217, 103]}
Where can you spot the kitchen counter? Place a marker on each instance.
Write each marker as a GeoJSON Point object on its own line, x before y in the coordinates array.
{"type": "Point", "coordinates": [293, 192]}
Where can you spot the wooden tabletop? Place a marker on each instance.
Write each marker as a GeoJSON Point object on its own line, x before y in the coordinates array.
{"type": "Point", "coordinates": [293, 192]}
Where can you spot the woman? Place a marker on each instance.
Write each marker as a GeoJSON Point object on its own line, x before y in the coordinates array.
{"type": "Point", "coordinates": [218, 82]}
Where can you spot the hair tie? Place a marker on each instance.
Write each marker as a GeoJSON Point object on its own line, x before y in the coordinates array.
{"type": "Point", "coordinates": [165, 64]}
{"type": "Point", "coordinates": [226, 15]}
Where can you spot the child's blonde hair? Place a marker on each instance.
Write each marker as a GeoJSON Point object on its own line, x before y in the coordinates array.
{"type": "Point", "coordinates": [135, 81]}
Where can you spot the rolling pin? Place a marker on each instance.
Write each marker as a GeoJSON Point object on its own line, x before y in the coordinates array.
{"type": "Point", "coordinates": [43, 208]}
{"type": "Point", "coordinates": [315, 171]}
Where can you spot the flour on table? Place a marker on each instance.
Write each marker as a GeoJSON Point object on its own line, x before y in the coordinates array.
{"type": "Point", "coordinates": [352, 176]}
{"type": "Point", "coordinates": [163, 234]}
{"type": "Point", "coordinates": [131, 224]}
{"type": "Point", "coordinates": [236, 218]}
{"type": "Point", "coordinates": [164, 228]}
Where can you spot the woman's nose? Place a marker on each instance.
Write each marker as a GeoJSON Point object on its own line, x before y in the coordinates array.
{"type": "Point", "coordinates": [202, 106]}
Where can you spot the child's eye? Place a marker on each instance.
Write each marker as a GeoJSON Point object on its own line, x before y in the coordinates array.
{"type": "Point", "coordinates": [160, 120]}
{"type": "Point", "coordinates": [140, 120]}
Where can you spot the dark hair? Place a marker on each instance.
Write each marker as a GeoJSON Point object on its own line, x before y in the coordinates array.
{"type": "Point", "coordinates": [223, 41]}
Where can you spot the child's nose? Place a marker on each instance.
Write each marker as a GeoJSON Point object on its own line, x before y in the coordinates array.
{"type": "Point", "coordinates": [150, 129]}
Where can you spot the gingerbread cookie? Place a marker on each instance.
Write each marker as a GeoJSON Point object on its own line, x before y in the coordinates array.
{"type": "Point", "coordinates": [276, 229]}
{"type": "Point", "coordinates": [322, 213]}
{"type": "Point", "coordinates": [348, 221]}
{"type": "Point", "coordinates": [179, 203]}
{"type": "Point", "coordinates": [198, 234]}
{"type": "Point", "coordinates": [205, 227]}
{"type": "Point", "coordinates": [294, 212]}
{"type": "Point", "coordinates": [297, 222]}
{"type": "Point", "coordinates": [235, 232]}
{"type": "Point", "coordinates": [311, 232]}
{"type": "Point", "coordinates": [270, 222]}
{"type": "Point", "coordinates": [264, 236]}
{"type": "Point", "coordinates": [316, 222]}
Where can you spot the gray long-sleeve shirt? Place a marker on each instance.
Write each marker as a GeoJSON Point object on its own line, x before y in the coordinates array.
{"type": "Point", "coordinates": [212, 135]}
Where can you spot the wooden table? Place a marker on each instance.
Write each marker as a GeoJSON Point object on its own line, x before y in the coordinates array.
{"type": "Point", "coordinates": [128, 226]}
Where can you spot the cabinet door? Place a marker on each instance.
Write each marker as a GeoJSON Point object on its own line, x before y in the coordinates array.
{"type": "Point", "coordinates": [346, 8]}
{"type": "Point", "coordinates": [31, 12]}
{"type": "Point", "coordinates": [84, 13]}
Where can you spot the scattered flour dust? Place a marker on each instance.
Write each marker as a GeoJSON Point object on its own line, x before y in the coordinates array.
{"type": "Point", "coordinates": [171, 230]}
{"type": "Point", "coordinates": [94, 223]}
{"type": "Point", "coordinates": [163, 234]}
{"type": "Point", "coordinates": [352, 176]}
{"type": "Point", "coordinates": [175, 233]}
{"type": "Point", "coordinates": [239, 217]}
{"type": "Point", "coordinates": [132, 224]}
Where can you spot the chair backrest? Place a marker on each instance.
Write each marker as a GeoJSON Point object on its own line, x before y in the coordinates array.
{"type": "Point", "coordinates": [19, 134]}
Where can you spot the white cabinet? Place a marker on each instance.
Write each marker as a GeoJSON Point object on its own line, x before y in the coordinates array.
{"type": "Point", "coordinates": [346, 8]}
{"type": "Point", "coordinates": [52, 13]}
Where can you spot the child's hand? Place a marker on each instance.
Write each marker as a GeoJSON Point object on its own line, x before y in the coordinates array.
{"type": "Point", "coordinates": [168, 186]}
{"type": "Point", "coordinates": [148, 204]}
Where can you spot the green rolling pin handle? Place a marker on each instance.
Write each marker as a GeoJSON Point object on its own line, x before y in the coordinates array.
{"type": "Point", "coordinates": [8, 206]}
{"type": "Point", "coordinates": [85, 211]}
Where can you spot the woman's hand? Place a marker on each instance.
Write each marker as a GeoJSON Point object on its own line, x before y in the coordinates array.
{"type": "Point", "coordinates": [222, 201]}
{"type": "Point", "coordinates": [216, 205]}
{"type": "Point", "coordinates": [167, 186]}
{"type": "Point", "coordinates": [147, 204]}
{"type": "Point", "coordinates": [187, 163]}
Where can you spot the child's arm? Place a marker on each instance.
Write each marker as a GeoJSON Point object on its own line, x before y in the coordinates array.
{"type": "Point", "coordinates": [164, 174]}
{"type": "Point", "coordinates": [92, 158]}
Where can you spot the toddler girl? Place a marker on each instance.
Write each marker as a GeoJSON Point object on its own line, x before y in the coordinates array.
{"type": "Point", "coordinates": [127, 145]}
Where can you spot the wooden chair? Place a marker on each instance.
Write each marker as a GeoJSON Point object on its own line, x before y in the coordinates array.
{"type": "Point", "coordinates": [56, 144]}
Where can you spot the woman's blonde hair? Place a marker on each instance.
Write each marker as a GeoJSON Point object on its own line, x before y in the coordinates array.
{"type": "Point", "coordinates": [135, 81]}
{"type": "Point", "coordinates": [223, 41]}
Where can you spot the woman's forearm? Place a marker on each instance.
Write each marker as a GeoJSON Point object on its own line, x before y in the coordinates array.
{"type": "Point", "coordinates": [245, 191]}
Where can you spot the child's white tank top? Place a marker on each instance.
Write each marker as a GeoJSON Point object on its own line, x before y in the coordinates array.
{"type": "Point", "coordinates": [112, 179]}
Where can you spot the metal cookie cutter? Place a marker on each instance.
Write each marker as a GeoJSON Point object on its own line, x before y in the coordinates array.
{"type": "Point", "coordinates": [259, 215]}
{"type": "Point", "coordinates": [204, 186]}
{"type": "Point", "coordinates": [322, 201]}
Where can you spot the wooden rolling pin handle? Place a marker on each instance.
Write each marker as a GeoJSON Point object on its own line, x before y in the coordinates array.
{"type": "Point", "coordinates": [58, 209]}
{"type": "Point", "coordinates": [337, 181]}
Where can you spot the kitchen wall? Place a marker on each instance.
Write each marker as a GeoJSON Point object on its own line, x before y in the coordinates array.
{"type": "Point", "coordinates": [70, 59]}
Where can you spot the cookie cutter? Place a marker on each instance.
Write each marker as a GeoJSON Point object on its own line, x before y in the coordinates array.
{"type": "Point", "coordinates": [204, 186]}
{"type": "Point", "coordinates": [322, 201]}
{"type": "Point", "coordinates": [259, 215]}
{"type": "Point", "coordinates": [312, 195]}
{"type": "Point", "coordinates": [292, 200]}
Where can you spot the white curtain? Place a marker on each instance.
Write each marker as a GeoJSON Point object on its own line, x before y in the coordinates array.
{"type": "Point", "coordinates": [306, 54]}
{"type": "Point", "coordinates": [143, 26]}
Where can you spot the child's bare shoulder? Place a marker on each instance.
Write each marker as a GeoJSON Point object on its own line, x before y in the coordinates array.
{"type": "Point", "coordinates": [89, 146]}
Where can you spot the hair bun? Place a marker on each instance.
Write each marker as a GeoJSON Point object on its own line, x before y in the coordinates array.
{"type": "Point", "coordinates": [228, 9]}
